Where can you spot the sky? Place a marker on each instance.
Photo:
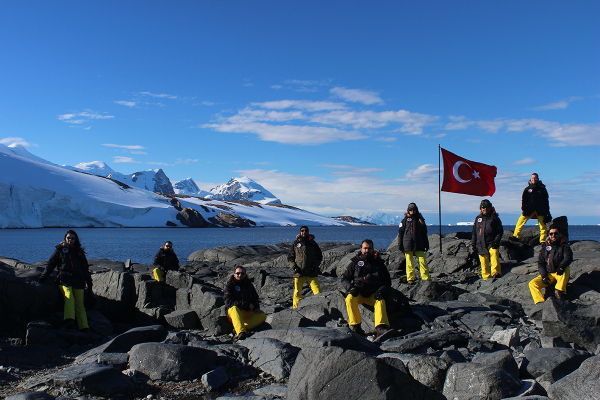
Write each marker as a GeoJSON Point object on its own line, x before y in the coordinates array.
{"type": "Point", "coordinates": [335, 107]}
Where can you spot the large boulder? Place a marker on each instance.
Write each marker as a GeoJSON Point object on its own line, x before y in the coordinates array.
{"type": "Point", "coordinates": [583, 383]}
{"type": "Point", "coordinates": [477, 381]}
{"type": "Point", "coordinates": [435, 339]}
{"type": "Point", "coordinates": [271, 356]}
{"type": "Point", "coordinates": [555, 363]}
{"type": "Point", "coordinates": [318, 337]}
{"type": "Point", "coordinates": [116, 294]}
{"type": "Point", "coordinates": [332, 373]}
{"type": "Point", "coordinates": [573, 323]}
{"type": "Point", "coordinates": [429, 370]}
{"type": "Point", "coordinates": [94, 378]}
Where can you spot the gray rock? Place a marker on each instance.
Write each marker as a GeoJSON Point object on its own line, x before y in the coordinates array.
{"type": "Point", "coordinates": [271, 392]}
{"type": "Point", "coordinates": [289, 318]}
{"type": "Point", "coordinates": [429, 370]}
{"type": "Point", "coordinates": [428, 291]}
{"type": "Point", "coordinates": [227, 354]}
{"type": "Point", "coordinates": [94, 378]}
{"type": "Point", "coordinates": [179, 280]}
{"type": "Point", "coordinates": [502, 359]}
{"type": "Point", "coordinates": [115, 360]}
{"type": "Point", "coordinates": [435, 339]}
{"type": "Point", "coordinates": [477, 381]}
{"type": "Point", "coordinates": [331, 373]}
{"type": "Point", "coordinates": [31, 396]}
{"type": "Point", "coordinates": [171, 362]}
{"type": "Point", "coordinates": [561, 319]}
{"type": "Point", "coordinates": [182, 319]}
{"type": "Point", "coordinates": [215, 379]}
{"type": "Point", "coordinates": [583, 383]}
{"type": "Point", "coordinates": [271, 356]}
{"type": "Point", "coordinates": [508, 337]}
{"type": "Point", "coordinates": [116, 295]}
{"type": "Point", "coordinates": [556, 362]}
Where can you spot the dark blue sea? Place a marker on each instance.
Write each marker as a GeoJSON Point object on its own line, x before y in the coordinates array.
{"type": "Point", "coordinates": [141, 244]}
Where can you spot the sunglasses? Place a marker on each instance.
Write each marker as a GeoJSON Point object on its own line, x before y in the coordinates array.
{"type": "Point", "coordinates": [239, 273]}
{"type": "Point", "coordinates": [554, 233]}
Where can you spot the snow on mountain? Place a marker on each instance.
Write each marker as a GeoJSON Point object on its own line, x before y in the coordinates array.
{"type": "Point", "coordinates": [154, 180]}
{"type": "Point", "coordinates": [21, 151]}
{"type": "Point", "coordinates": [245, 189]}
{"type": "Point", "coordinates": [99, 168]}
{"type": "Point", "coordinates": [189, 187]}
{"type": "Point", "coordinates": [37, 194]}
{"type": "Point", "coordinates": [380, 218]}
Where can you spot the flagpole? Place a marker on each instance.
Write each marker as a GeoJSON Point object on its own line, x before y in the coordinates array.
{"type": "Point", "coordinates": [440, 197]}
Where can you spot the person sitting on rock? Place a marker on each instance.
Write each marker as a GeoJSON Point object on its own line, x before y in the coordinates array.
{"type": "Point", "coordinates": [413, 241]}
{"type": "Point", "coordinates": [73, 276]}
{"type": "Point", "coordinates": [485, 240]}
{"type": "Point", "coordinates": [304, 259]}
{"type": "Point", "coordinates": [241, 300]}
{"type": "Point", "coordinates": [165, 260]}
{"type": "Point", "coordinates": [534, 204]}
{"type": "Point", "coordinates": [553, 264]}
{"type": "Point", "coordinates": [366, 280]}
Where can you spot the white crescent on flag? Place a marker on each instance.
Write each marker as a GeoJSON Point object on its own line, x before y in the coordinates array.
{"type": "Point", "coordinates": [455, 171]}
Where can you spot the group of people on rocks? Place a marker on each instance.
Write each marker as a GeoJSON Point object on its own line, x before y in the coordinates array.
{"type": "Point", "coordinates": [365, 279]}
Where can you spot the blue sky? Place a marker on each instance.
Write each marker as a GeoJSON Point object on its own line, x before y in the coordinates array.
{"type": "Point", "coordinates": [335, 107]}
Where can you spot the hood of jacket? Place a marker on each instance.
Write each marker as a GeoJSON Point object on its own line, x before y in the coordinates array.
{"type": "Point", "coordinates": [531, 184]}
{"type": "Point", "coordinates": [309, 238]}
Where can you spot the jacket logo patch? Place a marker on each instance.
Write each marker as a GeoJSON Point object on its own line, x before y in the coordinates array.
{"type": "Point", "coordinates": [548, 248]}
{"type": "Point", "coordinates": [409, 219]}
{"type": "Point", "coordinates": [299, 245]}
{"type": "Point", "coordinates": [65, 250]}
{"type": "Point", "coordinates": [361, 263]}
{"type": "Point", "coordinates": [238, 288]}
{"type": "Point", "coordinates": [478, 219]}
{"type": "Point", "coordinates": [530, 190]}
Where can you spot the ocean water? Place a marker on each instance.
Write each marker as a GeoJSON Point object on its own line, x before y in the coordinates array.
{"type": "Point", "coordinates": [141, 244]}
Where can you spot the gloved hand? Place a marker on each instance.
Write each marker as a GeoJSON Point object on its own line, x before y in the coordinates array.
{"type": "Point", "coordinates": [41, 279]}
{"type": "Point", "coordinates": [546, 280]}
{"type": "Point", "coordinates": [296, 270]}
{"type": "Point", "coordinates": [560, 271]}
{"type": "Point", "coordinates": [548, 218]}
{"type": "Point", "coordinates": [380, 293]}
{"type": "Point", "coordinates": [353, 291]}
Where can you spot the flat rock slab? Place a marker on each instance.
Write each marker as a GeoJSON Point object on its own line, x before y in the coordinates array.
{"type": "Point", "coordinates": [436, 339]}
{"type": "Point", "coordinates": [584, 383]}
{"type": "Point", "coordinates": [477, 381]}
{"type": "Point", "coordinates": [94, 378]}
{"type": "Point", "coordinates": [557, 362]}
{"type": "Point", "coordinates": [31, 396]}
{"type": "Point", "coordinates": [171, 362]}
{"type": "Point", "coordinates": [271, 356]}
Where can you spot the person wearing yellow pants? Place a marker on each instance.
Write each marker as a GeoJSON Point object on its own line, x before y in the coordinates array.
{"type": "Point", "coordinates": [165, 260]}
{"type": "Point", "coordinates": [304, 259]}
{"type": "Point", "coordinates": [73, 276]}
{"type": "Point", "coordinates": [367, 281]}
{"type": "Point", "coordinates": [413, 241]}
{"type": "Point", "coordinates": [553, 264]}
{"type": "Point", "coordinates": [241, 300]}
{"type": "Point", "coordinates": [485, 240]}
{"type": "Point", "coordinates": [534, 204]}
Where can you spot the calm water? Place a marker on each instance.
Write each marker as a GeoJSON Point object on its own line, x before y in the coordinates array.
{"type": "Point", "coordinates": [141, 244]}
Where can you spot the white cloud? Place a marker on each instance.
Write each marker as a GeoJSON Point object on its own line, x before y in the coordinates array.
{"type": "Point", "coordinates": [460, 122]}
{"type": "Point", "coordinates": [491, 126]}
{"type": "Point", "coordinates": [559, 105]}
{"type": "Point", "coordinates": [126, 103]}
{"type": "Point", "coordinates": [83, 116]}
{"type": "Point", "coordinates": [412, 123]}
{"type": "Point", "coordinates": [127, 147]}
{"type": "Point", "coordinates": [559, 134]}
{"type": "Point", "coordinates": [10, 141]}
{"type": "Point", "coordinates": [208, 103]}
{"type": "Point", "coordinates": [356, 95]}
{"type": "Point", "coordinates": [386, 139]}
{"type": "Point", "coordinates": [350, 170]}
{"type": "Point", "coordinates": [162, 95]}
{"type": "Point", "coordinates": [276, 87]}
{"type": "Point", "coordinates": [525, 161]}
{"type": "Point", "coordinates": [119, 159]}
{"type": "Point", "coordinates": [186, 161]}
{"type": "Point", "coordinates": [424, 173]}
{"type": "Point", "coordinates": [301, 105]}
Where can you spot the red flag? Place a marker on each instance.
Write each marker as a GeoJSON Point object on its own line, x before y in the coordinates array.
{"type": "Point", "coordinates": [467, 177]}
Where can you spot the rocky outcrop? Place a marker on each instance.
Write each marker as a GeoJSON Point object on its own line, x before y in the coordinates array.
{"type": "Point", "coordinates": [192, 218]}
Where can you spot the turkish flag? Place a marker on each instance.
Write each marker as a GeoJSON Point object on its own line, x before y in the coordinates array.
{"type": "Point", "coordinates": [467, 177]}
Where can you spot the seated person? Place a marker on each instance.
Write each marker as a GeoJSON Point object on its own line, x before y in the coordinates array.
{"type": "Point", "coordinates": [553, 264]}
{"type": "Point", "coordinates": [165, 260]}
{"type": "Point", "coordinates": [242, 304]}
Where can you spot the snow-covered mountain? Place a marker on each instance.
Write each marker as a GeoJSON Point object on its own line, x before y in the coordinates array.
{"type": "Point", "coordinates": [245, 189]}
{"type": "Point", "coordinates": [37, 194]}
{"type": "Point", "coordinates": [21, 151]}
{"type": "Point", "coordinates": [380, 218]}
{"type": "Point", "coordinates": [99, 168]}
{"type": "Point", "coordinates": [189, 187]}
{"type": "Point", "coordinates": [154, 180]}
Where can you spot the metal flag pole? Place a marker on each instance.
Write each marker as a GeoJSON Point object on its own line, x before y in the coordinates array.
{"type": "Point", "coordinates": [440, 196]}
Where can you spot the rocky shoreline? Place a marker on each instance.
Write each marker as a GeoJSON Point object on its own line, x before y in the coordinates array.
{"type": "Point", "coordinates": [455, 336]}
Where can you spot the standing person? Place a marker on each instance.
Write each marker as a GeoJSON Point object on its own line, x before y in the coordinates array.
{"type": "Point", "coordinates": [413, 241]}
{"type": "Point", "coordinates": [367, 280]}
{"type": "Point", "coordinates": [165, 260]}
{"type": "Point", "coordinates": [304, 259]}
{"type": "Point", "coordinates": [73, 276]}
{"type": "Point", "coordinates": [534, 204]}
{"type": "Point", "coordinates": [241, 299]}
{"type": "Point", "coordinates": [553, 265]}
{"type": "Point", "coordinates": [485, 240]}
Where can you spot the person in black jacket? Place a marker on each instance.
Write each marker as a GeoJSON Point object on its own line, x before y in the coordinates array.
{"type": "Point", "coordinates": [304, 259]}
{"type": "Point", "coordinates": [534, 204]}
{"type": "Point", "coordinates": [366, 280]}
{"type": "Point", "coordinates": [73, 276]}
{"type": "Point", "coordinates": [241, 300]}
{"type": "Point", "coordinates": [485, 240]}
{"type": "Point", "coordinates": [413, 241]}
{"type": "Point", "coordinates": [553, 264]}
{"type": "Point", "coordinates": [165, 260]}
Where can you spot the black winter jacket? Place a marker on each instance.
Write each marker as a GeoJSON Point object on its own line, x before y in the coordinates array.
{"type": "Point", "coordinates": [368, 274]}
{"type": "Point", "coordinates": [412, 233]}
{"type": "Point", "coordinates": [73, 268]}
{"type": "Point", "coordinates": [487, 233]}
{"type": "Point", "coordinates": [554, 256]}
{"type": "Point", "coordinates": [166, 261]}
{"type": "Point", "coordinates": [241, 294]}
{"type": "Point", "coordinates": [535, 198]}
{"type": "Point", "coordinates": [306, 255]}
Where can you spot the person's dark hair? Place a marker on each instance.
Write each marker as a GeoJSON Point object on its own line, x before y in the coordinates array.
{"type": "Point", "coordinates": [72, 232]}
{"type": "Point", "coordinates": [485, 203]}
{"type": "Point", "coordinates": [535, 173]}
{"type": "Point", "coordinates": [169, 242]}
{"type": "Point", "coordinates": [412, 206]}
{"type": "Point", "coordinates": [369, 241]}
{"type": "Point", "coordinates": [304, 227]}
{"type": "Point", "coordinates": [554, 226]}
{"type": "Point", "coordinates": [239, 267]}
